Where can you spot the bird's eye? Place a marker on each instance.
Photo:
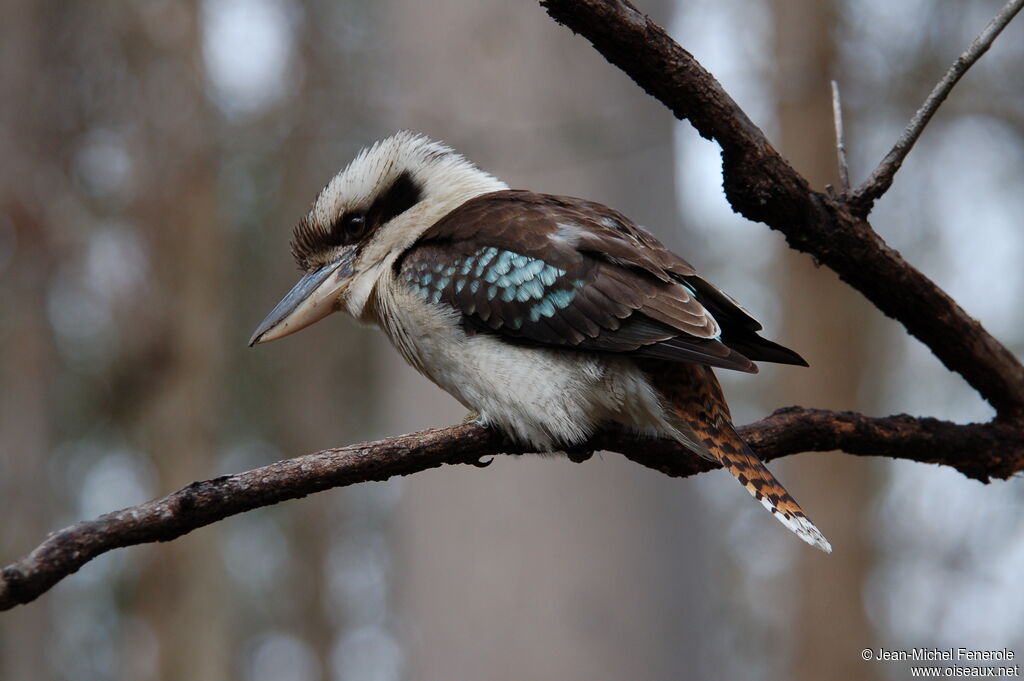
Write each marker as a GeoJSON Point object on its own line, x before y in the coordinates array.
{"type": "Point", "coordinates": [355, 223]}
{"type": "Point", "coordinates": [351, 226]}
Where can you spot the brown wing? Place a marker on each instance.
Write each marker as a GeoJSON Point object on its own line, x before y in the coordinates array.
{"type": "Point", "coordinates": [564, 272]}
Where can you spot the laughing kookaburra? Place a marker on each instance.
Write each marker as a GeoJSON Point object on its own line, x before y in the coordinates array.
{"type": "Point", "coordinates": [546, 315]}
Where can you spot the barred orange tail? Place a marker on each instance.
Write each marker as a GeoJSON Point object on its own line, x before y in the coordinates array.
{"type": "Point", "coordinates": [737, 458]}
{"type": "Point", "coordinates": [696, 398]}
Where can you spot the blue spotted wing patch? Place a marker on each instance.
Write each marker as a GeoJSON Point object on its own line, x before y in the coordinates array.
{"type": "Point", "coordinates": [501, 288]}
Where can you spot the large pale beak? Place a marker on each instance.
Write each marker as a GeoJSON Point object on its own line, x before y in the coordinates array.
{"type": "Point", "coordinates": [314, 297]}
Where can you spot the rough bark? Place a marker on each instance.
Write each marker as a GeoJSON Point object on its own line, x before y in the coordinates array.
{"type": "Point", "coordinates": [979, 451]}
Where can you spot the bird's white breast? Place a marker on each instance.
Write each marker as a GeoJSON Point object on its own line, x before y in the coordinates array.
{"type": "Point", "coordinates": [547, 398]}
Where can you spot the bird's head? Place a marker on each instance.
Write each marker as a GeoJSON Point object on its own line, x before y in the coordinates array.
{"type": "Point", "coordinates": [366, 216]}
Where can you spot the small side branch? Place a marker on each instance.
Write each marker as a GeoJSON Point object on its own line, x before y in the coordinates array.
{"type": "Point", "coordinates": [837, 115]}
{"type": "Point", "coordinates": [978, 450]}
{"type": "Point", "coordinates": [881, 178]}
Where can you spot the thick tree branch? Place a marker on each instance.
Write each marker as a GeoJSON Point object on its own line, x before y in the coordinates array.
{"type": "Point", "coordinates": [980, 451]}
{"type": "Point", "coordinates": [762, 186]}
{"type": "Point", "coordinates": [881, 178]}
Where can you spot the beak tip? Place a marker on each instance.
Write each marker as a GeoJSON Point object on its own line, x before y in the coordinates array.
{"type": "Point", "coordinates": [310, 300]}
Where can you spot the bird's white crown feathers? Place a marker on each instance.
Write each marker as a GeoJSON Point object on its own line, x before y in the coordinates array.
{"type": "Point", "coordinates": [445, 178]}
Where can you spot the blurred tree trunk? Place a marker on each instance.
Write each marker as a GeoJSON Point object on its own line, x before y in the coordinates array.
{"type": "Point", "coordinates": [28, 147]}
{"type": "Point", "coordinates": [307, 400]}
{"type": "Point", "coordinates": [27, 371]}
{"type": "Point", "coordinates": [182, 590]}
{"type": "Point", "coordinates": [540, 568]}
{"type": "Point", "coordinates": [321, 399]}
{"type": "Point", "coordinates": [830, 324]}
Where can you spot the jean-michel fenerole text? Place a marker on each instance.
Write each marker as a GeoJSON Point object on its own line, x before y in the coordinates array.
{"type": "Point", "coordinates": [953, 654]}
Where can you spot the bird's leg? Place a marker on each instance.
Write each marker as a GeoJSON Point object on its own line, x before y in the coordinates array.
{"type": "Point", "coordinates": [473, 416]}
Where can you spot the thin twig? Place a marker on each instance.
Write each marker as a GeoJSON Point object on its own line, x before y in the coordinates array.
{"type": "Point", "coordinates": [881, 178]}
{"type": "Point", "coordinates": [978, 450]}
{"type": "Point", "coordinates": [837, 115]}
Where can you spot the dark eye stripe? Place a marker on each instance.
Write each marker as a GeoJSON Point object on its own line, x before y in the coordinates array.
{"type": "Point", "coordinates": [310, 239]}
{"type": "Point", "coordinates": [402, 195]}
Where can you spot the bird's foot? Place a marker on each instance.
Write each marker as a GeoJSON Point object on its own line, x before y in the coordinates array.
{"type": "Point", "coordinates": [473, 416]}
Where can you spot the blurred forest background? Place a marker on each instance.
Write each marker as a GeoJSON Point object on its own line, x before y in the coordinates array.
{"type": "Point", "coordinates": [153, 158]}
